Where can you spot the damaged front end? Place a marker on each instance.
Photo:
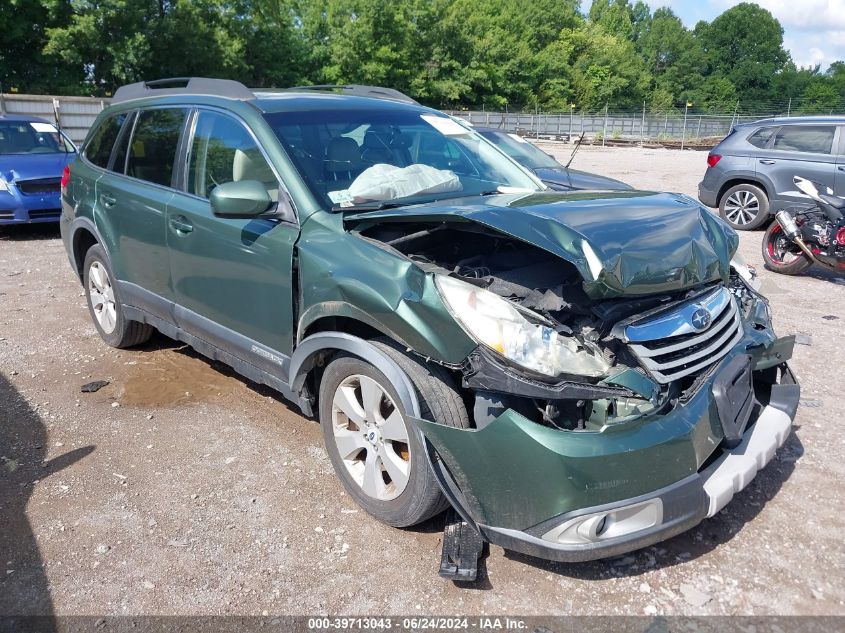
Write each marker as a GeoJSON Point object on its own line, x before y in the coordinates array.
{"type": "Point", "coordinates": [618, 398]}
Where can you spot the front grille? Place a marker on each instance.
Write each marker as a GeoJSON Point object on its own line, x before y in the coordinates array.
{"type": "Point", "coordinates": [44, 213]}
{"type": "Point", "coordinates": [7, 215]}
{"type": "Point", "coordinates": [39, 186]}
{"type": "Point", "coordinates": [688, 352]}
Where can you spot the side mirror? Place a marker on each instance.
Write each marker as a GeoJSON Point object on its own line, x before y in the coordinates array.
{"type": "Point", "coordinates": [240, 199]}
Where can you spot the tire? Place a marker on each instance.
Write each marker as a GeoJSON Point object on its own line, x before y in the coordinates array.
{"type": "Point", "coordinates": [104, 303]}
{"type": "Point", "coordinates": [745, 207]}
{"type": "Point", "coordinates": [780, 257]}
{"type": "Point", "coordinates": [393, 501]}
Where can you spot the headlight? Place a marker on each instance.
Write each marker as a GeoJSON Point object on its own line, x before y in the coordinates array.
{"type": "Point", "coordinates": [3, 185]}
{"type": "Point", "coordinates": [499, 325]}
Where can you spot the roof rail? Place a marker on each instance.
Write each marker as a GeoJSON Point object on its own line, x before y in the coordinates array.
{"type": "Point", "coordinates": [184, 86]}
{"type": "Point", "coordinates": [356, 90]}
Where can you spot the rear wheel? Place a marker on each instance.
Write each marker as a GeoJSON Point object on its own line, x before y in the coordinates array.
{"type": "Point", "coordinates": [377, 454]}
{"type": "Point", "coordinates": [745, 207]}
{"type": "Point", "coordinates": [104, 303]}
{"type": "Point", "coordinates": [781, 254]}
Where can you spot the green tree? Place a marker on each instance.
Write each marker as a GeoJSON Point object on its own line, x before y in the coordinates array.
{"type": "Point", "coordinates": [23, 34]}
{"type": "Point", "coordinates": [672, 55]}
{"type": "Point", "coordinates": [745, 45]}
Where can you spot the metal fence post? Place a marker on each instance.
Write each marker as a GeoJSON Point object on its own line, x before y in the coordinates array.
{"type": "Point", "coordinates": [642, 126]}
{"type": "Point", "coordinates": [604, 129]}
{"type": "Point", "coordinates": [684, 131]}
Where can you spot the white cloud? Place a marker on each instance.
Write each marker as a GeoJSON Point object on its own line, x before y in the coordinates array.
{"type": "Point", "coordinates": [804, 15]}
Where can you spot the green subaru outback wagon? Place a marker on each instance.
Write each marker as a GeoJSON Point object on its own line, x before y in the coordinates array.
{"type": "Point", "coordinates": [577, 374]}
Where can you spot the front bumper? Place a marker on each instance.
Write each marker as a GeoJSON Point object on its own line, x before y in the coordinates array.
{"type": "Point", "coordinates": [18, 208]}
{"type": "Point", "coordinates": [541, 491]}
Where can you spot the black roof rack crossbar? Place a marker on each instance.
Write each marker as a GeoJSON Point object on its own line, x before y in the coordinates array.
{"type": "Point", "coordinates": [184, 86]}
{"type": "Point", "coordinates": [357, 90]}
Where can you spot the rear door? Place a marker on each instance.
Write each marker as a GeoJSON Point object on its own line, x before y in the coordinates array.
{"type": "Point", "coordinates": [231, 277]}
{"type": "Point", "coordinates": [805, 150]}
{"type": "Point", "coordinates": [133, 198]}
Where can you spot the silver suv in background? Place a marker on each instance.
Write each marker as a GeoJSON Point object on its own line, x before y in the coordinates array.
{"type": "Point", "coordinates": [750, 173]}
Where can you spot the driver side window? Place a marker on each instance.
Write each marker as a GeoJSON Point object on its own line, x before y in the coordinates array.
{"type": "Point", "coordinates": [223, 151]}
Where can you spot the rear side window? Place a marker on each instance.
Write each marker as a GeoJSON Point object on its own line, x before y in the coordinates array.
{"type": "Point", "coordinates": [817, 139]}
{"type": "Point", "coordinates": [761, 137]}
{"type": "Point", "coordinates": [223, 151]}
{"type": "Point", "coordinates": [152, 151]}
{"type": "Point", "coordinates": [99, 147]}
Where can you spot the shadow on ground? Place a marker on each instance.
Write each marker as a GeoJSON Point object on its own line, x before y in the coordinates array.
{"type": "Point", "coordinates": [29, 232]}
{"type": "Point", "coordinates": [24, 587]}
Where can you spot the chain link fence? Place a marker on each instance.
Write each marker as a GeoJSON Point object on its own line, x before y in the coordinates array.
{"type": "Point", "coordinates": [685, 128]}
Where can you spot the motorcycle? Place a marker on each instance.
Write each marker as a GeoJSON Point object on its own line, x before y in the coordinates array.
{"type": "Point", "coordinates": [799, 238]}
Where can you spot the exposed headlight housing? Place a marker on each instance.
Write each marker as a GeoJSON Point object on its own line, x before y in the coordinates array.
{"type": "Point", "coordinates": [518, 335]}
{"type": "Point", "coordinates": [3, 185]}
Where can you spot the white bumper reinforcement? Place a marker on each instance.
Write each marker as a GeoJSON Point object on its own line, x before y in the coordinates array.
{"type": "Point", "coordinates": [735, 469]}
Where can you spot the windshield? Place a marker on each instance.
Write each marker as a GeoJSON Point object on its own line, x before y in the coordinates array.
{"type": "Point", "coordinates": [521, 150]}
{"type": "Point", "coordinates": [32, 137]}
{"type": "Point", "coordinates": [361, 157]}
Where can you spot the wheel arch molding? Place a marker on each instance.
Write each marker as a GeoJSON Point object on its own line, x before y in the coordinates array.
{"type": "Point", "coordinates": [313, 348]}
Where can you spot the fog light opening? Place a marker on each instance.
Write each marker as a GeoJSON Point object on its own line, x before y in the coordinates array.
{"type": "Point", "coordinates": [601, 526]}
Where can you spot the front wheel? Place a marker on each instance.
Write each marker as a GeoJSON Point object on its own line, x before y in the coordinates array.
{"type": "Point", "coordinates": [781, 254]}
{"type": "Point", "coordinates": [376, 452]}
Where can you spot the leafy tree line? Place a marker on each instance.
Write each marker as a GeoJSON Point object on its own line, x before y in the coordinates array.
{"type": "Point", "coordinates": [548, 54]}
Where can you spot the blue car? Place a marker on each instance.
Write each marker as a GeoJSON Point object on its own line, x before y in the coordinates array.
{"type": "Point", "coordinates": [33, 156]}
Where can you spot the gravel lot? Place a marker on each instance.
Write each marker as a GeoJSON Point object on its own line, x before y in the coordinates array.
{"type": "Point", "coordinates": [182, 489]}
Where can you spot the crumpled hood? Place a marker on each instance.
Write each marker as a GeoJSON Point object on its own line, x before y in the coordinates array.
{"type": "Point", "coordinates": [624, 243]}
{"type": "Point", "coordinates": [28, 166]}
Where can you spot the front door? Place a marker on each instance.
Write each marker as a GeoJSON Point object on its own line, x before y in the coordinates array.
{"type": "Point", "coordinates": [231, 277]}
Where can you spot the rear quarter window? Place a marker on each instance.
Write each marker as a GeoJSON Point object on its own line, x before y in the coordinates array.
{"type": "Point", "coordinates": [99, 147]}
{"type": "Point", "coordinates": [761, 137]}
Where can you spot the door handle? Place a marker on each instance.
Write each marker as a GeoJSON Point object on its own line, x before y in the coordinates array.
{"type": "Point", "coordinates": [181, 225]}
{"type": "Point", "coordinates": [841, 168]}
{"type": "Point", "coordinates": [108, 200]}
{"type": "Point", "coordinates": [767, 162]}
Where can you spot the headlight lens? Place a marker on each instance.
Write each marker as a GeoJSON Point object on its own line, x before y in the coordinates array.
{"type": "Point", "coordinates": [496, 323]}
{"type": "Point", "coordinates": [3, 185]}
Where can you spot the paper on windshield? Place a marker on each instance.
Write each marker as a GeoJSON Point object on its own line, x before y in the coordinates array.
{"type": "Point", "coordinates": [444, 125]}
{"type": "Point", "coordinates": [388, 182]}
{"type": "Point", "coordinates": [43, 127]}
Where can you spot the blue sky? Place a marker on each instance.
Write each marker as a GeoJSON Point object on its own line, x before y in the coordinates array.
{"type": "Point", "coordinates": [814, 30]}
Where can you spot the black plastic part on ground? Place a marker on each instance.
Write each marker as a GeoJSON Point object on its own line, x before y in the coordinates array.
{"type": "Point", "coordinates": [462, 547]}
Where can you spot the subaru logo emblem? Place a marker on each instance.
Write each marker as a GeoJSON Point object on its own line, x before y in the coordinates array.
{"type": "Point", "coordinates": [700, 319]}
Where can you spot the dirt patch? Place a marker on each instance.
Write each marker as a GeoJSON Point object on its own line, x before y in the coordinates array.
{"type": "Point", "coordinates": [173, 378]}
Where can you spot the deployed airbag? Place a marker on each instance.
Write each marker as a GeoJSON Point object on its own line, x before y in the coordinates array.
{"type": "Point", "coordinates": [388, 182]}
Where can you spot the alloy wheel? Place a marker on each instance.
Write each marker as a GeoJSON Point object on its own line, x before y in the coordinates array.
{"type": "Point", "coordinates": [742, 207]}
{"type": "Point", "coordinates": [371, 437]}
{"type": "Point", "coordinates": [102, 297]}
